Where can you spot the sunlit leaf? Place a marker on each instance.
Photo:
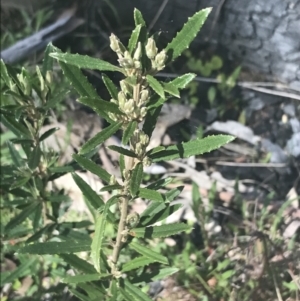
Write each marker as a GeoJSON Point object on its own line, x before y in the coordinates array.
{"type": "Point", "coordinates": [99, 234]}
{"type": "Point", "coordinates": [123, 151]}
{"type": "Point", "coordinates": [187, 34]}
{"type": "Point", "coordinates": [54, 247]}
{"type": "Point", "coordinates": [92, 167]}
{"type": "Point", "coordinates": [136, 179]}
{"type": "Point", "coordinates": [182, 81]}
{"type": "Point", "coordinates": [110, 86]}
{"type": "Point", "coordinates": [100, 138]}
{"type": "Point", "coordinates": [156, 86]}
{"type": "Point", "coordinates": [129, 131]}
{"type": "Point", "coordinates": [136, 263]}
{"type": "Point", "coordinates": [159, 231]}
{"type": "Point", "coordinates": [84, 61]}
{"type": "Point", "coordinates": [191, 148]}
{"type": "Point", "coordinates": [134, 38]}
{"type": "Point", "coordinates": [84, 278]}
{"type": "Point", "coordinates": [148, 253]}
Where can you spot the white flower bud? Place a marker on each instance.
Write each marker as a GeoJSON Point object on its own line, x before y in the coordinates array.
{"type": "Point", "coordinates": [138, 52]}
{"type": "Point", "coordinates": [160, 59]}
{"type": "Point", "coordinates": [151, 49]}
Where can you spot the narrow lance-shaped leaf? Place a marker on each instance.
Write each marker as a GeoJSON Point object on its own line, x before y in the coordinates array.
{"type": "Point", "coordinates": [92, 167]}
{"type": "Point", "coordinates": [4, 74]}
{"type": "Point", "coordinates": [99, 234]}
{"type": "Point", "coordinates": [48, 133]}
{"type": "Point", "coordinates": [147, 277]}
{"type": "Point", "coordinates": [84, 61]}
{"type": "Point", "coordinates": [136, 263]}
{"type": "Point", "coordinates": [91, 196]}
{"type": "Point", "coordinates": [84, 278]}
{"type": "Point", "coordinates": [128, 132]}
{"type": "Point", "coordinates": [138, 18]}
{"type": "Point", "coordinates": [78, 80]}
{"type": "Point", "coordinates": [134, 38]}
{"type": "Point", "coordinates": [35, 157]}
{"type": "Point", "coordinates": [48, 61]}
{"type": "Point", "coordinates": [19, 272]}
{"type": "Point", "coordinates": [157, 214]}
{"type": "Point", "coordinates": [16, 127]}
{"type": "Point", "coordinates": [100, 106]}
{"type": "Point", "coordinates": [186, 35]}
{"type": "Point", "coordinates": [152, 195]}
{"type": "Point", "coordinates": [21, 216]}
{"type": "Point", "coordinates": [191, 148]}
{"type": "Point", "coordinates": [159, 231]}
{"type": "Point", "coordinates": [182, 81]}
{"type": "Point", "coordinates": [136, 179]}
{"type": "Point", "coordinates": [156, 86]}
{"type": "Point", "coordinates": [150, 120]}
{"type": "Point", "coordinates": [54, 247]}
{"type": "Point", "coordinates": [110, 86]}
{"type": "Point", "coordinates": [137, 293]}
{"type": "Point", "coordinates": [171, 89]}
{"type": "Point", "coordinates": [148, 253]}
{"type": "Point", "coordinates": [123, 151]}
{"type": "Point", "coordinates": [100, 138]}
{"type": "Point", "coordinates": [15, 156]}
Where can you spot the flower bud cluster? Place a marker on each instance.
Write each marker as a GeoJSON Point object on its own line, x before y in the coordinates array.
{"type": "Point", "coordinates": [139, 141]}
{"type": "Point", "coordinates": [131, 64]}
{"type": "Point", "coordinates": [157, 59]}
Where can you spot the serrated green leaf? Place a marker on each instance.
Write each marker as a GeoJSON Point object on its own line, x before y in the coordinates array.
{"type": "Point", "coordinates": [156, 86]}
{"type": "Point", "coordinates": [128, 132]}
{"type": "Point", "coordinates": [173, 193]}
{"type": "Point", "coordinates": [78, 263]}
{"type": "Point", "coordinates": [122, 164]}
{"type": "Point", "coordinates": [84, 278]}
{"type": "Point", "coordinates": [19, 272]}
{"type": "Point", "coordinates": [159, 231]}
{"type": "Point", "coordinates": [79, 295]}
{"type": "Point", "coordinates": [15, 155]}
{"type": "Point", "coordinates": [48, 61]}
{"type": "Point", "coordinates": [20, 182]}
{"type": "Point", "coordinates": [160, 183]}
{"type": "Point", "coordinates": [100, 106]}
{"type": "Point", "coordinates": [138, 18]}
{"type": "Point", "coordinates": [187, 34]}
{"type": "Point", "coordinates": [125, 295]}
{"type": "Point", "coordinates": [111, 187]}
{"type": "Point", "coordinates": [35, 157]}
{"type": "Point", "coordinates": [134, 38]}
{"type": "Point", "coordinates": [123, 151]}
{"type": "Point", "coordinates": [4, 74]}
{"type": "Point", "coordinates": [182, 81]}
{"type": "Point", "coordinates": [54, 247]}
{"type": "Point", "coordinates": [110, 86]}
{"type": "Point", "coordinates": [162, 273]}
{"type": "Point", "coordinates": [84, 61]}
{"type": "Point", "coordinates": [136, 263]}
{"type": "Point", "coordinates": [191, 148]}
{"type": "Point", "coordinates": [151, 195]}
{"type": "Point", "coordinates": [148, 253]}
{"type": "Point", "coordinates": [91, 196]}
{"type": "Point", "coordinates": [37, 216]}
{"type": "Point", "coordinates": [100, 138]}
{"type": "Point", "coordinates": [154, 214]}
{"type": "Point", "coordinates": [135, 292]}
{"type": "Point", "coordinates": [91, 166]}
{"type": "Point", "coordinates": [151, 118]}
{"type": "Point", "coordinates": [136, 179]}
{"type": "Point", "coordinates": [16, 127]}
{"type": "Point", "coordinates": [171, 89]}
{"type": "Point", "coordinates": [48, 133]}
{"type": "Point", "coordinates": [38, 234]}
{"type": "Point", "coordinates": [21, 216]}
{"type": "Point", "coordinates": [96, 246]}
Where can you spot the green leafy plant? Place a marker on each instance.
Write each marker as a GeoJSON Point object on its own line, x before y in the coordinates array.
{"type": "Point", "coordinates": [132, 110]}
